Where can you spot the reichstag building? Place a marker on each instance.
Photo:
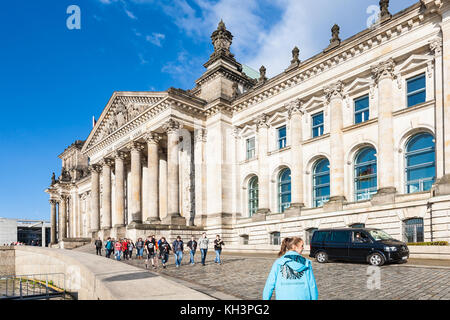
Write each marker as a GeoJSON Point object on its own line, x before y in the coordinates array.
{"type": "Point", "coordinates": [357, 135]}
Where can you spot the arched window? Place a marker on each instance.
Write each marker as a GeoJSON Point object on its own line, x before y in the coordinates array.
{"type": "Point", "coordinates": [275, 238]}
{"type": "Point", "coordinates": [413, 230]}
{"type": "Point", "coordinates": [284, 190]}
{"type": "Point", "coordinates": [321, 182]}
{"type": "Point", "coordinates": [253, 195]}
{"type": "Point", "coordinates": [358, 225]}
{"type": "Point", "coordinates": [420, 163]}
{"type": "Point", "coordinates": [365, 174]}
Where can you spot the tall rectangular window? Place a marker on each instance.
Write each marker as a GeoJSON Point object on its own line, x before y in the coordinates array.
{"type": "Point", "coordinates": [317, 125]}
{"type": "Point", "coordinates": [362, 109]}
{"type": "Point", "coordinates": [282, 137]}
{"type": "Point", "coordinates": [416, 90]}
{"type": "Point", "coordinates": [250, 148]}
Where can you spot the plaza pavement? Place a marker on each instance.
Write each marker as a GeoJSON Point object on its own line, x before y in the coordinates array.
{"type": "Point", "coordinates": [243, 276]}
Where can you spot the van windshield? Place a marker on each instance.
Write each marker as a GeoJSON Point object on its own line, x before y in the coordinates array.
{"type": "Point", "coordinates": [379, 235]}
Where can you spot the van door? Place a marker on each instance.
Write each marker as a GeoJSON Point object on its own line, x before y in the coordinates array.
{"type": "Point", "coordinates": [337, 244]}
{"type": "Point", "coordinates": [360, 247]}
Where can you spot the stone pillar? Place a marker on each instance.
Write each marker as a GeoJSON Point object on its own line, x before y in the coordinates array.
{"type": "Point", "coordinates": [152, 214]}
{"type": "Point", "coordinates": [172, 128]}
{"type": "Point", "coordinates": [106, 194]}
{"type": "Point", "coordinates": [162, 184]}
{"type": "Point", "coordinates": [262, 128]}
{"type": "Point", "coordinates": [334, 96]}
{"type": "Point", "coordinates": [63, 217]}
{"type": "Point", "coordinates": [118, 218]}
{"type": "Point", "coordinates": [295, 123]}
{"type": "Point", "coordinates": [436, 48]}
{"type": "Point", "coordinates": [443, 184]}
{"type": "Point", "coordinates": [383, 77]}
{"type": "Point", "coordinates": [95, 198]}
{"type": "Point", "coordinates": [200, 175]}
{"type": "Point", "coordinates": [43, 240]}
{"type": "Point", "coordinates": [53, 221]}
{"type": "Point", "coordinates": [135, 208]}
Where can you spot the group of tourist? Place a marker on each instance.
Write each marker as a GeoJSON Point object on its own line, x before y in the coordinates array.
{"type": "Point", "coordinates": [159, 250]}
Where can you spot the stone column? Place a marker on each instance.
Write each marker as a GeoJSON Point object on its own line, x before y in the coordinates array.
{"type": "Point", "coordinates": [118, 218]}
{"type": "Point", "coordinates": [172, 128]}
{"type": "Point", "coordinates": [106, 195]}
{"type": "Point", "coordinates": [95, 197]}
{"type": "Point", "coordinates": [63, 217]}
{"type": "Point", "coordinates": [162, 184]}
{"type": "Point", "coordinates": [200, 176]}
{"type": "Point", "coordinates": [436, 48]}
{"type": "Point", "coordinates": [383, 77]}
{"type": "Point", "coordinates": [43, 240]}
{"type": "Point", "coordinates": [152, 214]}
{"type": "Point", "coordinates": [334, 96]}
{"type": "Point", "coordinates": [53, 221]}
{"type": "Point", "coordinates": [262, 128]}
{"type": "Point", "coordinates": [135, 208]}
{"type": "Point", "coordinates": [295, 123]}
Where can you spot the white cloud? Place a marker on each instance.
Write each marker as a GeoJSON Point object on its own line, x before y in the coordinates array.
{"type": "Point", "coordinates": [130, 14]}
{"type": "Point", "coordinates": [156, 38]}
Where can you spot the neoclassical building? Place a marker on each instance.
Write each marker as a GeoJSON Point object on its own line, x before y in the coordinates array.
{"type": "Point", "coordinates": [358, 135]}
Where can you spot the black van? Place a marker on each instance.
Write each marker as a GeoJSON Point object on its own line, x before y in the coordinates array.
{"type": "Point", "coordinates": [366, 245]}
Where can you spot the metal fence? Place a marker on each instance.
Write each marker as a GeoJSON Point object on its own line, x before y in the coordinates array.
{"type": "Point", "coordinates": [33, 287]}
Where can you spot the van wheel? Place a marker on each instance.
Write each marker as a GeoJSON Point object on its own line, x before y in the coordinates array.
{"type": "Point", "coordinates": [321, 257]}
{"type": "Point", "coordinates": [376, 259]}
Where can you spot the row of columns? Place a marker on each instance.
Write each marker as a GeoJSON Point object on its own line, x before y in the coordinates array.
{"type": "Point", "coordinates": [158, 188]}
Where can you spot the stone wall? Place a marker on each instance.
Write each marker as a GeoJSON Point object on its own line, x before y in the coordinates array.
{"type": "Point", "coordinates": [7, 258]}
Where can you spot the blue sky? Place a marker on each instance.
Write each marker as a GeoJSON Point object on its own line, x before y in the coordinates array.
{"type": "Point", "coordinates": [53, 80]}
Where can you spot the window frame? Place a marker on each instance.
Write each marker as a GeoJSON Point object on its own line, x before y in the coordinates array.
{"type": "Point", "coordinates": [324, 199]}
{"type": "Point", "coordinates": [282, 205]}
{"type": "Point", "coordinates": [363, 111]}
{"type": "Point", "coordinates": [415, 226]}
{"type": "Point", "coordinates": [424, 89]}
{"type": "Point", "coordinates": [273, 237]}
{"type": "Point", "coordinates": [313, 127]}
{"type": "Point", "coordinates": [253, 203]}
{"type": "Point", "coordinates": [250, 152]}
{"type": "Point", "coordinates": [281, 141]}
{"type": "Point", "coordinates": [356, 166]}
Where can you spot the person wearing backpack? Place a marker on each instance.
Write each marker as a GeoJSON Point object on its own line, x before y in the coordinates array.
{"type": "Point", "coordinates": [178, 247]}
{"type": "Point", "coordinates": [203, 243]}
{"type": "Point", "coordinates": [108, 247]}
{"type": "Point", "coordinates": [291, 275]}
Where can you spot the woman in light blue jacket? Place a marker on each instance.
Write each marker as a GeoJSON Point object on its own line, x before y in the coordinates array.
{"type": "Point", "coordinates": [291, 275]}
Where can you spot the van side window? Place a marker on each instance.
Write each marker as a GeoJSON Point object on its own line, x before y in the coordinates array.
{"type": "Point", "coordinates": [319, 236]}
{"type": "Point", "coordinates": [359, 237]}
{"type": "Point", "coordinates": [339, 236]}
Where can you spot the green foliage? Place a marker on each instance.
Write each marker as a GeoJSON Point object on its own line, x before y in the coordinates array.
{"type": "Point", "coordinates": [434, 243]}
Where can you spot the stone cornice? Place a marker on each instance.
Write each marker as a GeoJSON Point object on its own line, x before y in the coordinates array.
{"type": "Point", "coordinates": [230, 74]}
{"type": "Point", "coordinates": [360, 43]}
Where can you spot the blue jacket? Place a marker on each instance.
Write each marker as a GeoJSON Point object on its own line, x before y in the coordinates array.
{"type": "Point", "coordinates": [292, 278]}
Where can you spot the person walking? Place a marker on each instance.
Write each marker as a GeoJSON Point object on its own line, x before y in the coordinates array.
{"type": "Point", "coordinates": [108, 247]}
{"type": "Point", "coordinates": [118, 249]}
{"type": "Point", "coordinates": [178, 247]}
{"type": "Point", "coordinates": [125, 249]}
{"type": "Point", "coordinates": [164, 249]}
{"type": "Point", "coordinates": [140, 249]}
{"type": "Point", "coordinates": [98, 246]}
{"type": "Point", "coordinates": [192, 245]}
{"type": "Point", "coordinates": [203, 243]}
{"type": "Point", "coordinates": [130, 248]}
{"type": "Point", "coordinates": [291, 275]}
{"type": "Point", "coordinates": [218, 243]}
{"type": "Point", "coordinates": [151, 247]}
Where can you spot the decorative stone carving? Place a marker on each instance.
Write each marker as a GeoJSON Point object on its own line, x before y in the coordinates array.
{"type": "Point", "coordinates": [152, 137]}
{"type": "Point", "coordinates": [335, 40]}
{"type": "Point", "coordinates": [436, 47]}
{"type": "Point", "coordinates": [120, 155]}
{"type": "Point", "coordinates": [200, 135]}
{"type": "Point", "coordinates": [294, 107]}
{"type": "Point", "coordinates": [262, 72]}
{"type": "Point", "coordinates": [95, 168]}
{"type": "Point", "coordinates": [53, 179]}
{"type": "Point", "coordinates": [334, 90]}
{"type": "Point", "coordinates": [171, 126]}
{"type": "Point", "coordinates": [384, 10]}
{"type": "Point", "coordinates": [383, 69]}
{"type": "Point", "coordinates": [221, 40]}
{"type": "Point", "coordinates": [235, 90]}
{"type": "Point", "coordinates": [295, 56]}
{"type": "Point", "coordinates": [135, 146]}
{"type": "Point", "coordinates": [262, 121]}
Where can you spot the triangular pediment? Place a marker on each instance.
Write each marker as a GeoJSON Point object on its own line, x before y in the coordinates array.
{"type": "Point", "coordinates": [413, 62]}
{"type": "Point", "coordinates": [313, 102]}
{"type": "Point", "coordinates": [248, 130]}
{"type": "Point", "coordinates": [358, 84]}
{"type": "Point", "coordinates": [277, 118]}
{"type": "Point", "coordinates": [122, 108]}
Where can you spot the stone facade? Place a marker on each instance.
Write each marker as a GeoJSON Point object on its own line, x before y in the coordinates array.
{"type": "Point", "coordinates": [177, 162]}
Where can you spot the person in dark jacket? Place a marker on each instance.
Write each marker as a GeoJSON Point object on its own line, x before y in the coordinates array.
{"type": "Point", "coordinates": [192, 245]}
{"type": "Point", "coordinates": [218, 243]}
{"type": "Point", "coordinates": [178, 247]}
{"type": "Point", "coordinates": [151, 247]}
{"type": "Point", "coordinates": [108, 247]}
{"type": "Point", "coordinates": [164, 249]}
{"type": "Point", "coordinates": [98, 246]}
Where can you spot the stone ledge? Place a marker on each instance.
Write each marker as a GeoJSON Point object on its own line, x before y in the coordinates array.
{"type": "Point", "coordinates": [97, 278]}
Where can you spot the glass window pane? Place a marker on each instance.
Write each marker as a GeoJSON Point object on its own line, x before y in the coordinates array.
{"type": "Point", "coordinates": [421, 141]}
{"type": "Point", "coordinates": [417, 83]}
{"type": "Point", "coordinates": [420, 158]}
{"type": "Point", "coordinates": [416, 98]}
{"type": "Point", "coordinates": [421, 173]}
{"type": "Point", "coordinates": [317, 119]}
{"type": "Point", "coordinates": [362, 103]}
